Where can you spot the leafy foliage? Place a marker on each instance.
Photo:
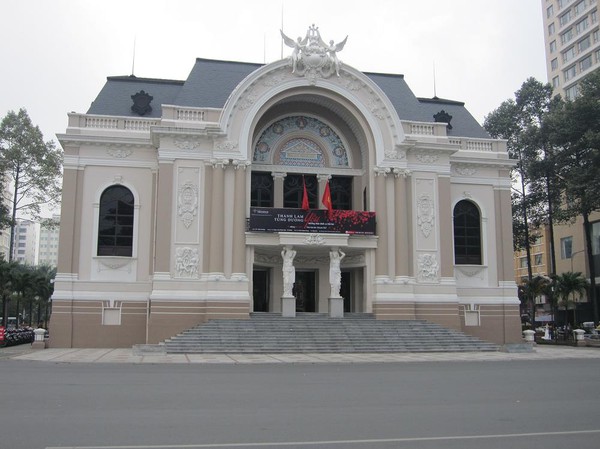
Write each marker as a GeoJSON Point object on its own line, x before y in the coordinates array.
{"type": "Point", "coordinates": [31, 166]}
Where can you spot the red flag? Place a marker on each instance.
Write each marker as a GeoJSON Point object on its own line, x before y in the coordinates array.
{"type": "Point", "coordinates": [305, 204]}
{"type": "Point", "coordinates": [326, 200]}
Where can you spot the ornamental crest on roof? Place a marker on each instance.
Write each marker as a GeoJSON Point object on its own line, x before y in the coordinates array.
{"type": "Point", "coordinates": [312, 57]}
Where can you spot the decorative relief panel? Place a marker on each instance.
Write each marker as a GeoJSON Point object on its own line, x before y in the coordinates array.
{"type": "Point", "coordinates": [226, 145]}
{"type": "Point", "coordinates": [425, 214]}
{"type": "Point", "coordinates": [187, 144]}
{"type": "Point", "coordinates": [464, 170]}
{"type": "Point", "coordinates": [187, 203]}
{"type": "Point", "coordinates": [428, 268]}
{"type": "Point", "coordinates": [267, 259]}
{"type": "Point", "coordinates": [396, 153]}
{"type": "Point", "coordinates": [314, 239]}
{"type": "Point", "coordinates": [186, 262]}
{"type": "Point", "coordinates": [427, 158]}
{"type": "Point", "coordinates": [120, 153]}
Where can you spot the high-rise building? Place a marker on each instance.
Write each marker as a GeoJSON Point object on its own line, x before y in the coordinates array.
{"type": "Point", "coordinates": [572, 41]}
{"type": "Point", "coordinates": [25, 248]}
{"type": "Point", "coordinates": [48, 248]}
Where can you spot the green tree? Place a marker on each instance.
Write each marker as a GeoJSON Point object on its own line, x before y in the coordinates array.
{"type": "Point", "coordinates": [535, 287]}
{"type": "Point", "coordinates": [31, 166]}
{"type": "Point", "coordinates": [520, 122]}
{"type": "Point", "coordinates": [6, 286]}
{"type": "Point", "coordinates": [569, 285]}
{"type": "Point", "coordinates": [43, 287]}
{"type": "Point", "coordinates": [574, 126]}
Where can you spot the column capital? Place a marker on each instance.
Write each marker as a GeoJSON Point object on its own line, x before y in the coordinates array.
{"type": "Point", "coordinates": [323, 177]}
{"type": "Point", "coordinates": [219, 163]}
{"type": "Point", "coordinates": [382, 171]}
{"type": "Point", "coordinates": [278, 175]}
{"type": "Point", "coordinates": [404, 172]}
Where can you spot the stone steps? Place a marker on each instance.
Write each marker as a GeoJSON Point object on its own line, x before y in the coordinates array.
{"type": "Point", "coordinates": [317, 333]}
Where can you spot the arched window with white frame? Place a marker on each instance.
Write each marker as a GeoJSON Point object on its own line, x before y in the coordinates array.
{"type": "Point", "coordinates": [467, 233]}
{"type": "Point", "coordinates": [115, 222]}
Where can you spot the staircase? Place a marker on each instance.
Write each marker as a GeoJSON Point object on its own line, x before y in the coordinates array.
{"type": "Point", "coordinates": [317, 333]}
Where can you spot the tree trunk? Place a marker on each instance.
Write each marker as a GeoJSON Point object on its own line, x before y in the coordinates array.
{"type": "Point", "coordinates": [587, 229]}
{"type": "Point", "coordinates": [551, 229]}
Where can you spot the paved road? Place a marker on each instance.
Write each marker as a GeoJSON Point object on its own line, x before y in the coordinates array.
{"type": "Point", "coordinates": [552, 403]}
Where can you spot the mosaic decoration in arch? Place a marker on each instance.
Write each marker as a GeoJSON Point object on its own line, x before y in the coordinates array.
{"type": "Point", "coordinates": [306, 150]}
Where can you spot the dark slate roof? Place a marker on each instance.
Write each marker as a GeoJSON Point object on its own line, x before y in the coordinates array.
{"type": "Point", "coordinates": [210, 83]}
{"type": "Point", "coordinates": [463, 123]}
{"type": "Point", "coordinates": [115, 96]}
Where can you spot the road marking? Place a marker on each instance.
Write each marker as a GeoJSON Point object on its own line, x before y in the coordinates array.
{"type": "Point", "coordinates": [334, 442]}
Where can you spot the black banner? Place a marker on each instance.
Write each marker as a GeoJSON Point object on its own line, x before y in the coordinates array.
{"type": "Point", "coordinates": [266, 219]}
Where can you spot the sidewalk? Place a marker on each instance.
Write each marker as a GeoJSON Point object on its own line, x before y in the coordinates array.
{"type": "Point", "coordinates": [126, 356]}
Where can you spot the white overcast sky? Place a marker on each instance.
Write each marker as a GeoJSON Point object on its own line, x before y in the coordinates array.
{"type": "Point", "coordinates": [55, 55]}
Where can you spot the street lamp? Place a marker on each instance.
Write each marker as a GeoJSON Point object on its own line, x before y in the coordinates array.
{"type": "Point", "coordinates": [572, 254]}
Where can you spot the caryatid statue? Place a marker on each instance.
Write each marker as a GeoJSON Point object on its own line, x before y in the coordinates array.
{"type": "Point", "coordinates": [289, 271]}
{"type": "Point", "coordinates": [335, 273]}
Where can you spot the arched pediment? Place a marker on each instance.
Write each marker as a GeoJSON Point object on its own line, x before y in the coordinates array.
{"type": "Point", "coordinates": [354, 96]}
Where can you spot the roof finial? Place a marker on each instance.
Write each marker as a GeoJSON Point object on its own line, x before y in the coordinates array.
{"type": "Point", "coordinates": [133, 58]}
{"type": "Point", "coordinates": [434, 87]}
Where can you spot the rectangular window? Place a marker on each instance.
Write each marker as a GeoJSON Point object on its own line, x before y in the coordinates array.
{"type": "Point", "coordinates": [584, 44]}
{"type": "Point", "coordinates": [594, 16]}
{"type": "Point", "coordinates": [523, 262]}
{"type": "Point", "coordinates": [261, 189]}
{"type": "Point", "coordinates": [554, 64]}
{"type": "Point", "coordinates": [550, 11]}
{"type": "Point", "coordinates": [568, 54]}
{"type": "Point", "coordinates": [579, 7]}
{"type": "Point", "coordinates": [571, 92]}
{"type": "Point", "coordinates": [596, 35]}
{"type": "Point", "coordinates": [585, 63]}
{"type": "Point", "coordinates": [293, 191]}
{"type": "Point", "coordinates": [570, 73]}
{"type": "Point", "coordinates": [551, 29]}
{"type": "Point", "coordinates": [566, 247]}
{"type": "Point", "coordinates": [552, 46]}
{"type": "Point", "coordinates": [555, 82]}
{"type": "Point", "coordinates": [596, 238]}
{"type": "Point", "coordinates": [565, 18]}
{"type": "Point", "coordinates": [580, 27]}
{"type": "Point", "coordinates": [537, 260]}
{"type": "Point", "coordinates": [566, 36]}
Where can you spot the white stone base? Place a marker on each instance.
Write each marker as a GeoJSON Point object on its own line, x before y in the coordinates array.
{"type": "Point", "coordinates": [336, 307]}
{"type": "Point", "coordinates": [288, 306]}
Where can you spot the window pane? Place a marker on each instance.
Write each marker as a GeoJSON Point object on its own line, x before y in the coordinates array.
{"type": "Point", "coordinates": [115, 222]}
{"type": "Point", "coordinates": [467, 233]}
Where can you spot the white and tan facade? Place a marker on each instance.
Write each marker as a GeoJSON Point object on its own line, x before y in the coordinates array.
{"type": "Point", "coordinates": [157, 231]}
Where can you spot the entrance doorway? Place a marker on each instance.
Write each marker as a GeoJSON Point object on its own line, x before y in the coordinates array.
{"type": "Point", "coordinates": [346, 291]}
{"type": "Point", "coordinates": [260, 290]}
{"type": "Point", "coordinates": [305, 291]}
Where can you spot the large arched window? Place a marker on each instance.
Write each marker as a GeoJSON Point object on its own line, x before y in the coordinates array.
{"type": "Point", "coordinates": [467, 234]}
{"type": "Point", "coordinates": [115, 222]}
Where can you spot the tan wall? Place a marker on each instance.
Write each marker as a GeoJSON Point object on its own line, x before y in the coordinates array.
{"type": "Point", "coordinates": [79, 325]}
{"type": "Point", "coordinates": [498, 324]}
